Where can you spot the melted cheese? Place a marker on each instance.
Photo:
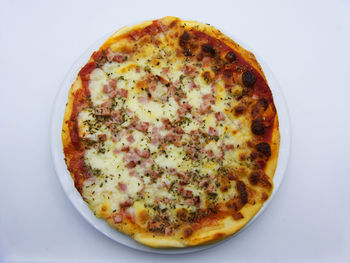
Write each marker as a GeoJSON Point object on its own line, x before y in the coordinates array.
{"type": "Point", "coordinates": [108, 162]}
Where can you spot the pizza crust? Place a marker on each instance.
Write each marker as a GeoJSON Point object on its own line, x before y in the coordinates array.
{"type": "Point", "coordinates": [222, 228]}
{"type": "Point", "coordinates": [66, 139]}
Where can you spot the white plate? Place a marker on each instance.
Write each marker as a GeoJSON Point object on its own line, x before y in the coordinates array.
{"type": "Point", "coordinates": [100, 224]}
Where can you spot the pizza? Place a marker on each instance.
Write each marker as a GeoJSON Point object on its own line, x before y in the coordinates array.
{"type": "Point", "coordinates": [171, 134]}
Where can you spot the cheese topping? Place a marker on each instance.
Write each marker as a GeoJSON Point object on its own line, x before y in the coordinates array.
{"type": "Point", "coordinates": [162, 131]}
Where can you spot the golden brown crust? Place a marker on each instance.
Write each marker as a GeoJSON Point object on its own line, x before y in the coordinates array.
{"type": "Point", "coordinates": [222, 227]}
{"type": "Point", "coordinates": [66, 139]}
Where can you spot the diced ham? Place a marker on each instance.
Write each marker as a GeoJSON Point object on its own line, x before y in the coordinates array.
{"type": "Point", "coordinates": [209, 189]}
{"type": "Point", "coordinates": [109, 55]}
{"type": "Point", "coordinates": [203, 183]}
{"type": "Point", "coordinates": [106, 88]}
{"type": "Point", "coordinates": [121, 134]}
{"type": "Point", "coordinates": [119, 58]}
{"type": "Point", "coordinates": [172, 170]}
{"type": "Point", "coordinates": [135, 35]}
{"type": "Point", "coordinates": [155, 136]}
{"type": "Point", "coordinates": [212, 177]}
{"type": "Point", "coordinates": [118, 218]}
{"type": "Point", "coordinates": [152, 87]}
{"type": "Point", "coordinates": [165, 71]}
{"type": "Point", "coordinates": [147, 163]}
{"type": "Point", "coordinates": [208, 98]}
{"type": "Point", "coordinates": [168, 230]}
{"type": "Point", "coordinates": [227, 147]}
{"type": "Point", "coordinates": [131, 159]}
{"type": "Point", "coordinates": [110, 88]}
{"type": "Point", "coordinates": [130, 138]}
{"type": "Point", "coordinates": [155, 140]}
{"type": "Point", "coordinates": [179, 130]}
{"type": "Point", "coordinates": [113, 83]}
{"type": "Point", "coordinates": [123, 93]}
{"type": "Point", "coordinates": [212, 132]}
{"type": "Point", "coordinates": [196, 200]}
{"type": "Point", "coordinates": [210, 154]}
{"type": "Point", "coordinates": [122, 187]}
{"type": "Point", "coordinates": [126, 203]}
{"type": "Point", "coordinates": [206, 61]}
{"type": "Point", "coordinates": [142, 190]}
{"type": "Point", "coordinates": [185, 178]}
{"type": "Point", "coordinates": [166, 123]}
{"type": "Point", "coordinates": [129, 112]}
{"type": "Point", "coordinates": [102, 111]}
{"type": "Point", "coordinates": [143, 99]}
{"type": "Point", "coordinates": [133, 173]}
{"type": "Point", "coordinates": [112, 94]}
{"type": "Point", "coordinates": [142, 126]}
{"type": "Point", "coordinates": [125, 149]}
{"type": "Point", "coordinates": [189, 70]}
{"type": "Point", "coordinates": [184, 108]}
{"type": "Point", "coordinates": [156, 200]}
{"type": "Point", "coordinates": [154, 225]}
{"type": "Point", "coordinates": [173, 138]}
{"type": "Point", "coordinates": [204, 108]}
{"type": "Point", "coordinates": [97, 55]}
{"type": "Point", "coordinates": [161, 26]}
{"type": "Point", "coordinates": [107, 104]}
{"type": "Point", "coordinates": [130, 164]}
{"type": "Point", "coordinates": [187, 193]}
{"type": "Point", "coordinates": [152, 173]}
{"type": "Point", "coordinates": [113, 56]}
{"type": "Point", "coordinates": [220, 116]}
{"type": "Point", "coordinates": [193, 85]}
{"type": "Point", "coordinates": [138, 69]}
{"type": "Point", "coordinates": [102, 137]}
{"type": "Point", "coordinates": [166, 200]}
{"type": "Point", "coordinates": [192, 152]}
{"type": "Point", "coordinates": [117, 116]}
{"type": "Point", "coordinates": [143, 153]}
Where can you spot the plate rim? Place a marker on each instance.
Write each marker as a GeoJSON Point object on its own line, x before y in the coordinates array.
{"type": "Point", "coordinates": [101, 225]}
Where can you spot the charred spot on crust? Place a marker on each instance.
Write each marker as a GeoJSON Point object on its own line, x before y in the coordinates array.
{"type": "Point", "coordinates": [182, 213]}
{"type": "Point", "coordinates": [241, 188]}
{"type": "Point", "coordinates": [228, 73]}
{"type": "Point", "coordinates": [188, 232]}
{"type": "Point", "coordinates": [237, 216]}
{"type": "Point", "coordinates": [207, 76]}
{"type": "Point", "coordinates": [264, 148]}
{"type": "Point", "coordinates": [197, 200]}
{"type": "Point", "coordinates": [232, 204]}
{"type": "Point", "coordinates": [264, 103]}
{"type": "Point", "coordinates": [231, 56]}
{"type": "Point", "coordinates": [248, 79]}
{"type": "Point", "coordinates": [264, 196]}
{"type": "Point", "coordinates": [258, 127]}
{"type": "Point", "coordinates": [264, 180]}
{"type": "Point", "coordinates": [254, 155]}
{"type": "Point", "coordinates": [239, 110]}
{"type": "Point", "coordinates": [254, 178]}
{"type": "Point", "coordinates": [187, 53]}
{"type": "Point", "coordinates": [207, 48]}
{"type": "Point", "coordinates": [184, 38]}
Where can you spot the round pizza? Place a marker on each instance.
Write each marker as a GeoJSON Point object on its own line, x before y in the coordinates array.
{"type": "Point", "coordinates": [171, 134]}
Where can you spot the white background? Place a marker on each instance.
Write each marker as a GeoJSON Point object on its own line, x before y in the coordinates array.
{"type": "Point", "coordinates": [305, 43]}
